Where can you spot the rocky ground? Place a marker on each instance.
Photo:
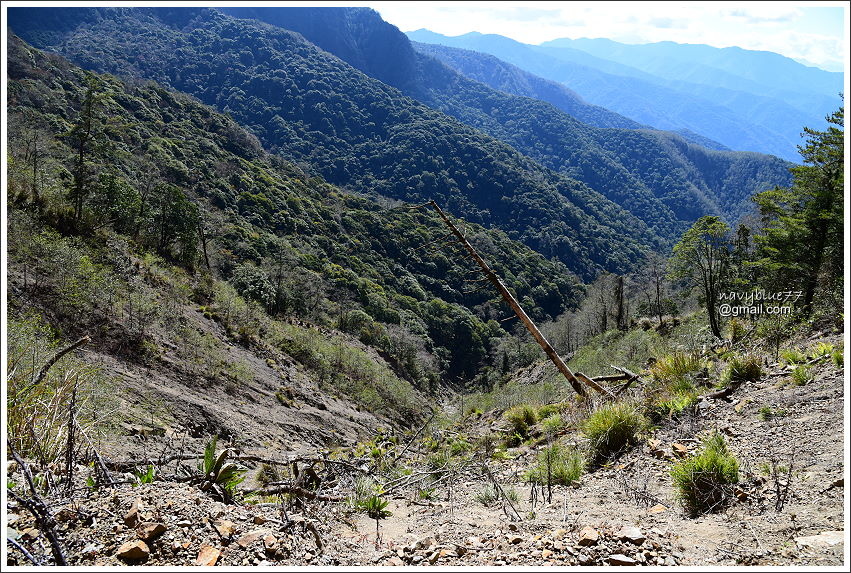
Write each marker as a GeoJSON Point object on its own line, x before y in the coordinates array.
{"type": "Point", "coordinates": [624, 513]}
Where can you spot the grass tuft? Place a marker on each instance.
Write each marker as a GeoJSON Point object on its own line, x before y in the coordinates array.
{"type": "Point", "coordinates": [703, 481]}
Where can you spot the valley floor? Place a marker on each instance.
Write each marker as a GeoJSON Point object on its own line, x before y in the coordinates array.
{"type": "Point", "coordinates": [624, 513]}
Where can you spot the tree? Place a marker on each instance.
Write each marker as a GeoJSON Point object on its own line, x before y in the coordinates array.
{"type": "Point", "coordinates": [84, 134]}
{"type": "Point", "coordinates": [702, 258]}
{"type": "Point", "coordinates": [801, 243]}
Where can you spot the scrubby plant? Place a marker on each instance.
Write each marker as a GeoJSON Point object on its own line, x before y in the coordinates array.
{"type": "Point", "coordinates": [612, 428]}
{"type": "Point", "coordinates": [486, 496]}
{"type": "Point", "coordinates": [143, 476]}
{"type": "Point", "coordinates": [767, 413]}
{"type": "Point", "coordinates": [703, 481]}
{"type": "Point", "coordinates": [735, 330]}
{"type": "Point", "coordinates": [675, 367]}
{"type": "Point", "coordinates": [218, 475]}
{"type": "Point", "coordinates": [548, 410]}
{"type": "Point", "coordinates": [557, 465]}
{"type": "Point", "coordinates": [792, 356]}
{"type": "Point", "coordinates": [521, 419]}
{"type": "Point", "coordinates": [837, 357]}
{"type": "Point", "coordinates": [742, 369]}
{"type": "Point", "coordinates": [801, 375]}
{"type": "Point", "coordinates": [820, 350]}
{"type": "Point", "coordinates": [459, 447]}
{"type": "Point", "coordinates": [552, 424]}
{"type": "Point", "coordinates": [671, 406]}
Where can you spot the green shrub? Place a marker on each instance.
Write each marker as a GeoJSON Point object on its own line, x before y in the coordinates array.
{"type": "Point", "coordinates": [552, 424]}
{"type": "Point", "coordinates": [767, 413]}
{"type": "Point", "coordinates": [557, 465]}
{"type": "Point", "coordinates": [459, 447]}
{"type": "Point", "coordinates": [801, 375]}
{"type": "Point", "coordinates": [742, 369]}
{"type": "Point", "coordinates": [820, 350]}
{"type": "Point", "coordinates": [837, 357]}
{"type": "Point", "coordinates": [548, 410]}
{"type": "Point", "coordinates": [612, 428]}
{"type": "Point", "coordinates": [486, 495]}
{"type": "Point", "coordinates": [674, 368]}
{"type": "Point", "coordinates": [792, 356]}
{"type": "Point", "coordinates": [735, 329]}
{"type": "Point", "coordinates": [703, 482]}
{"type": "Point", "coordinates": [521, 419]}
{"type": "Point", "coordinates": [671, 407]}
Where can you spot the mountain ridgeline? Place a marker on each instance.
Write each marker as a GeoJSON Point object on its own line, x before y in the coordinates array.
{"type": "Point", "coordinates": [749, 105]}
{"type": "Point", "coordinates": [653, 175]}
{"type": "Point", "coordinates": [564, 188]}
{"type": "Point", "coordinates": [360, 133]}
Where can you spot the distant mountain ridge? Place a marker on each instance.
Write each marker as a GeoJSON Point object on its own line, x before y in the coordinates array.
{"type": "Point", "coordinates": [664, 187]}
{"type": "Point", "coordinates": [736, 118]}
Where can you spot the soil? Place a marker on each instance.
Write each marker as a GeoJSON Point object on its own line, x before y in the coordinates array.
{"type": "Point", "coordinates": [624, 513]}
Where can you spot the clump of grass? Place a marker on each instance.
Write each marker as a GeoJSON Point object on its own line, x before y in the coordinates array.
{"type": "Point", "coordinates": [837, 357]}
{"type": "Point", "coordinates": [671, 407]}
{"type": "Point", "coordinates": [459, 447]}
{"type": "Point", "coordinates": [767, 413]}
{"type": "Point", "coordinates": [792, 356]}
{"type": "Point", "coordinates": [552, 424]}
{"type": "Point", "coordinates": [801, 375]}
{"type": "Point", "coordinates": [742, 369]}
{"type": "Point", "coordinates": [703, 481]}
{"type": "Point", "coordinates": [735, 329]}
{"type": "Point", "coordinates": [486, 495]}
{"type": "Point", "coordinates": [557, 465]}
{"type": "Point", "coordinates": [820, 350]}
{"type": "Point", "coordinates": [674, 367]}
{"type": "Point", "coordinates": [521, 418]}
{"type": "Point", "coordinates": [548, 410]}
{"type": "Point", "coordinates": [611, 429]}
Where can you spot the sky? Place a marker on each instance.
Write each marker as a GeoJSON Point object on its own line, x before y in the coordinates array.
{"type": "Point", "coordinates": [810, 32]}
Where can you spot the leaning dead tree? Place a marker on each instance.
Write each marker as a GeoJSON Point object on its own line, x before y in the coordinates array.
{"type": "Point", "coordinates": [575, 380]}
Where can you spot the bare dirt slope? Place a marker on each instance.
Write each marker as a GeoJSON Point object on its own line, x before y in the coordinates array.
{"type": "Point", "coordinates": [625, 513]}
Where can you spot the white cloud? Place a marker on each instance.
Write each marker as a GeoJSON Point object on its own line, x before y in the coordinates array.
{"type": "Point", "coordinates": [788, 28]}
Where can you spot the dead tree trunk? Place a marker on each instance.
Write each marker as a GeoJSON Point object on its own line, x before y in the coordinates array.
{"type": "Point", "coordinates": [521, 314]}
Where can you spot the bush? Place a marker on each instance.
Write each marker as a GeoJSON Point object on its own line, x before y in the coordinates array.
{"type": "Point", "coordinates": [552, 424]}
{"type": "Point", "coordinates": [612, 428]}
{"type": "Point", "coordinates": [820, 350]}
{"type": "Point", "coordinates": [801, 375]}
{"type": "Point", "coordinates": [837, 357]}
{"type": "Point", "coordinates": [703, 482]}
{"type": "Point", "coordinates": [792, 356]}
{"type": "Point", "coordinates": [557, 465]}
{"type": "Point", "coordinates": [674, 368]}
{"type": "Point", "coordinates": [671, 407]}
{"type": "Point", "coordinates": [742, 369]}
{"type": "Point", "coordinates": [521, 419]}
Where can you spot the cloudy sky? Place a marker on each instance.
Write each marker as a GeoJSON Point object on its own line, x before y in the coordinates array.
{"type": "Point", "coordinates": [810, 32]}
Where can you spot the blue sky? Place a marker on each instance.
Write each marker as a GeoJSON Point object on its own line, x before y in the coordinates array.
{"type": "Point", "coordinates": [810, 32]}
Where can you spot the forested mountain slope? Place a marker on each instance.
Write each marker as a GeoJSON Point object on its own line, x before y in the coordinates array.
{"type": "Point", "coordinates": [639, 95]}
{"type": "Point", "coordinates": [642, 172]}
{"type": "Point", "coordinates": [158, 165]}
{"type": "Point", "coordinates": [357, 132]}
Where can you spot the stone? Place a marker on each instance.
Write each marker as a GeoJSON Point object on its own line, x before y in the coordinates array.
{"type": "Point", "coordinates": [823, 540]}
{"type": "Point", "coordinates": [546, 553]}
{"type": "Point", "coordinates": [559, 533]}
{"type": "Point", "coordinates": [434, 557]}
{"type": "Point", "coordinates": [680, 450]}
{"type": "Point", "coordinates": [224, 527]}
{"type": "Point", "coordinates": [632, 534]}
{"type": "Point", "coordinates": [207, 556]}
{"type": "Point", "coordinates": [259, 520]}
{"type": "Point", "coordinates": [395, 561]}
{"type": "Point", "coordinates": [132, 518]}
{"type": "Point", "coordinates": [136, 550]}
{"type": "Point", "coordinates": [588, 536]}
{"type": "Point", "coordinates": [270, 542]}
{"type": "Point", "coordinates": [619, 559]}
{"type": "Point", "coordinates": [515, 539]}
{"type": "Point", "coordinates": [658, 508]}
{"type": "Point", "coordinates": [512, 527]}
{"type": "Point", "coordinates": [250, 537]}
{"type": "Point", "coordinates": [424, 543]}
{"type": "Point", "coordinates": [150, 530]}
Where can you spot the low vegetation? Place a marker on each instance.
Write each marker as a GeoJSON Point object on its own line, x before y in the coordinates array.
{"type": "Point", "coordinates": [704, 481]}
